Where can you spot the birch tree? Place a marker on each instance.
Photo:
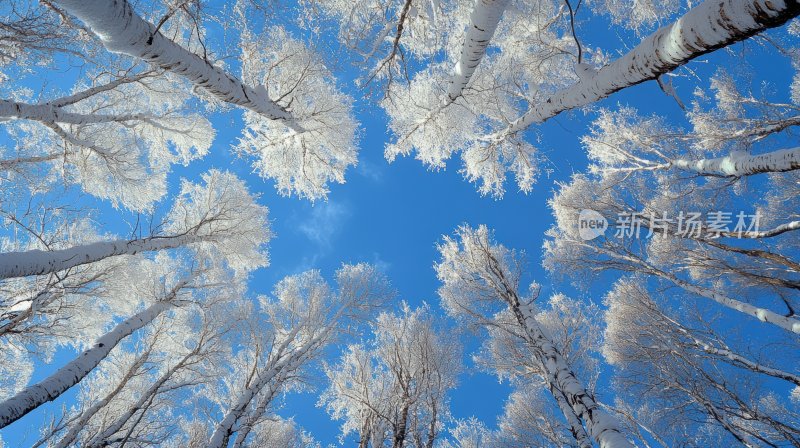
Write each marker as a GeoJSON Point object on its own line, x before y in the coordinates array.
{"type": "Point", "coordinates": [219, 217]}
{"type": "Point", "coordinates": [305, 315]}
{"type": "Point", "coordinates": [481, 279]}
{"type": "Point", "coordinates": [115, 136]}
{"type": "Point", "coordinates": [530, 417]}
{"type": "Point", "coordinates": [681, 368]}
{"type": "Point", "coordinates": [393, 392]}
{"type": "Point", "coordinates": [716, 271]}
{"type": "Point", "coordinates": [677, 376]}
{"type": "Point", "coordinates": [651, 169]}
{"type": "Point", "coordinates": [290, 117]}
{"type": "Point", "coordinates": [133, 394]}
{"type": "Point", "coordinates": [168, 289]}
{"type": "Point", "coordinates": [71, 305]}
{"type": "Point", "coordinates": [729, 127]}
{"type": "Point", "coordinates": [539, 70]}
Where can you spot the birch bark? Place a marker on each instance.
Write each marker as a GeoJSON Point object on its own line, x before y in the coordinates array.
{"type": "Point", "coordinates": [121, 30]}
{"type": "Point", "coordinates": [484, 19]}
{"type": "Point", "coordinates": [707, 27]}
{"type": "Point", "coordinates": [76, 370]}
{"type": "Point", "coordinates": [38, 262]}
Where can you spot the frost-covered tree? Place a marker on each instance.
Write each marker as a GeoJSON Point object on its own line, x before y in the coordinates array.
{"type": "Point", "coordinates": [294, 326]}
{"type": "Point", "coordinates": [704, 211]}
{"type": "Point", "coordinates": [682, 208]}
{"type": "Point", "coordinates": [301, 163]}
{"type": "Point", "coordinates": [753, 282]}
{"type": "Point", "coordinates": [299, 126]}
{"type": "Point", "coordinates": [459, 100]}
{"type": "Point", "coordinates": [677, 375]}
{"type": "Point", "coordinates": [729, 127]}
{"type": "Point", "coordinates": [85, 278]}
{"type": "Point", "coordinates": [480, 283]}
{"type": "Point", "coordinates": [114, 135]}
{"type": "Point", "coordinates": [220, 217]}
{"type": "Point", "coordinates": [393, 390]}
{"type": "Point", "coordinates": [530, 417]}
{"type": "Point", "coordinates": [217, 234]}
{"type": "Point", "coordinates": [135, 395]}
{"type": "Point", "coordinates": [164, 286]}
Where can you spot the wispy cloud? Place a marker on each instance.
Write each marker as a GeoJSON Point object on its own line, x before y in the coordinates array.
{"type": "Point", "coordinates": [371, 171]}
{"type": "Point", "coordinates": [324, 223]}
{"type": "Point", "coordinates": [321, 226]}
{"type": "Point", "coordinates": [380, 263]}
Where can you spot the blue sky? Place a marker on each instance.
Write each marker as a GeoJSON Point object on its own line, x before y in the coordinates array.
{"type": "Point", "coordinates": [394, 214]}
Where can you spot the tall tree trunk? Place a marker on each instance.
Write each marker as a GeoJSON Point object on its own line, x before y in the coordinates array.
{"type": "Point", "coordinates": [601, 426]}
{"type": "Point", "coordinates": [38, 262]}
{"type": "Point", "coordinates": [402, 426]}
{"type": "Point", "coordinates": [482, 24]}
{"type": "Point", "coordinates": [561, 380]}
{"type": "Point", "coordinates": [71, 374]}
{"type": "Point", "coordinates": [786, 323]}
{"type": "Point", "coordinates": [742, 164]}
{"type": "Point", "coordinates": [707, 27]}
{"type": "Point", "coordinates": [573, 420]}
{"type": "Point", "coordinates": [122, 31]}
{"type": "Point", "coordinates": [252, 419]}
{"type": "Point", "coordinates": [48, 113]}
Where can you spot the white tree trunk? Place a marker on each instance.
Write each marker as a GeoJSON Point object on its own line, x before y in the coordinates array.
{"type": "Point", "coordinates": [600, 425]}
{"type": "Point", "coordinates": [122, 31]}
{"type": "Point", "coordinates": [246, 426]}
{"type": "Point", "coordinates": [225, 428]}
{"type": "Point", "coordinates": [48, 113]}
{"type": "Point", "coordinates": [561, 381]}
{"type": "Point", "coordinates": [483, 22]}
{"type": "Point", "coordinates": [38, 262]}
{"type": "Point", "coordinates": [71, 374]}
{"type": "Point", "coordinates": [709, 26]}
{"type": "Point", "coordinates": [764, 315]}
{"type": "Point", "coordinates": [787, 323]}
{"type": "Point", "coordinates": [746, 363]}
{"type": "Point", "coordinates": [740, 164]}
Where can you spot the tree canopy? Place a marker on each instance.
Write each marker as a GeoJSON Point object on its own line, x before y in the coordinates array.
{"type": "Point", "coordinates": [604, 257]}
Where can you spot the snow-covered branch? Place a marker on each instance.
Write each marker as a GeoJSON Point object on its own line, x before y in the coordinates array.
{"type": "Point", "coordinates": [483, 21]}
{"type": "Point", "coordinates": [475, 272]}
{"type": "Point", "coordinates": [220, 213]}
{"type": "Point", "coordinates": [73, 372]}
{"type": "Point", "coordinates": [709, 26]}
{"type": "Point", "coordinates": [122, 31]}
